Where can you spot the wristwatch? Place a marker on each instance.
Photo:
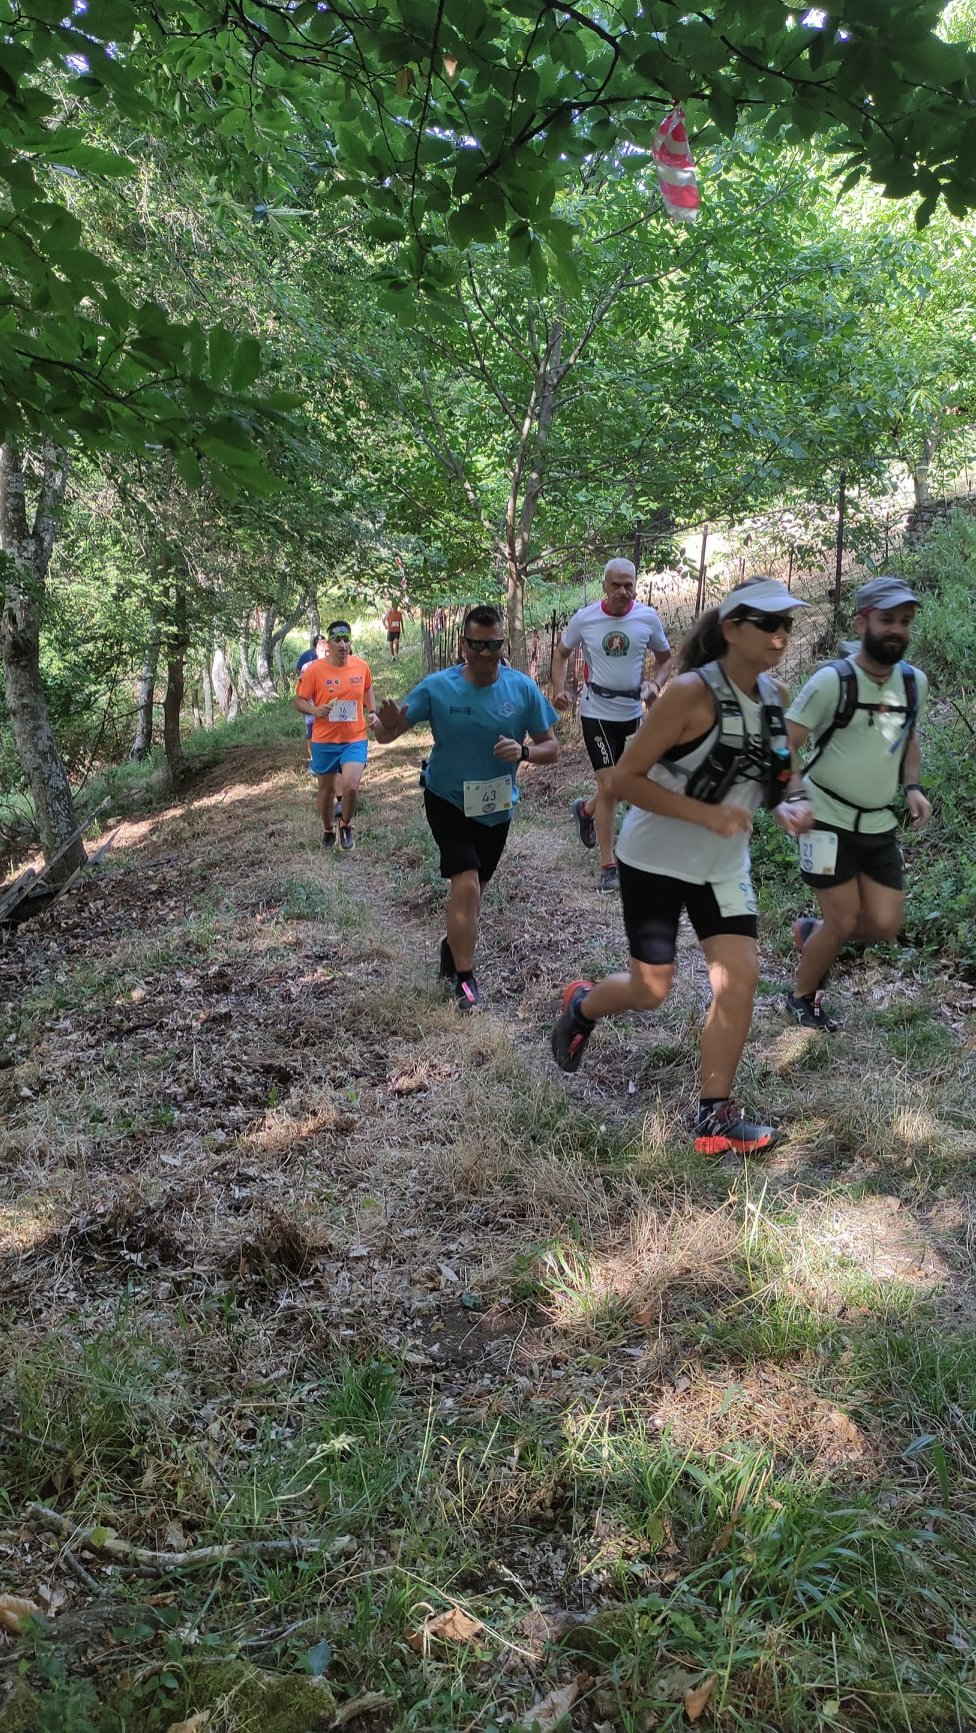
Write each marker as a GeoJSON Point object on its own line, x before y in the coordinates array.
{"type": "Point", "coordinates": [525, 753]}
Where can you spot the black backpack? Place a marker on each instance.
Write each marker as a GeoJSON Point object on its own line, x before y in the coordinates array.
{"type": "Point", "coordinates": [848, 703]}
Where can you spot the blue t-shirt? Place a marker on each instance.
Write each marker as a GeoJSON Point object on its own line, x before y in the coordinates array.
{"type": "Point", "coordinates": [304, 659]}
{"type": "Point", "coordinates": [466, 721]}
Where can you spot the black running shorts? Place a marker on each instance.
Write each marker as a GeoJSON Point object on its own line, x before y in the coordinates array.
{"type": "Point", "coordinates": [878, 857]}
{"type": "Point", "coordinates": [466, 844]}
{"type": "Point", "coordinates": [605, 741]}
{"type": "Point", "coordinates": [652, 912]}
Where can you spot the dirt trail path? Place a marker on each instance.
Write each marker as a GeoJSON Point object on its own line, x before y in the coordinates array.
{"type": "Point", "coordinates": [240, 1114]}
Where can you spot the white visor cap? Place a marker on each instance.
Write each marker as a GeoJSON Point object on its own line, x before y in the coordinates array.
{"type": "Point", "coordinates": [766, 596]}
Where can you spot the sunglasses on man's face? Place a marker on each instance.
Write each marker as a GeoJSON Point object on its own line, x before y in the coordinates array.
{"type": "Point", "coordinates": [492, 645]}
{"type": "Point", "coordinates": [769, 622]}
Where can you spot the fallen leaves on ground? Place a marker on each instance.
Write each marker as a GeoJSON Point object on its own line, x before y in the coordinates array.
{"type": "Point", "coordinates": [453, 1626]}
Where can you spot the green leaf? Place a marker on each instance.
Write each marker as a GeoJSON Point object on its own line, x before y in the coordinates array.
{"type": "Point", "coordinates": [221, 347]}
{"type": "Point", "coordinates": [318, 1658]}
{"type": "Point", "coordinates": [189, 468]}
{"type": "Point", "coordinates": [246, 365]}
{"type": "Point", "coordinates": [538, 269]}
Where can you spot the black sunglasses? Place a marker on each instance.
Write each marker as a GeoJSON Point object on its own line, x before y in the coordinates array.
{"type": "Point", "coordinates": [768, 622]}
{"type": "Point", "coordinates": [491, 644]}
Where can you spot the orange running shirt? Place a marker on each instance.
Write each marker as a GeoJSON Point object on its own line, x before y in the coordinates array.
{"type": "Point", "coordinates": [343, 690]}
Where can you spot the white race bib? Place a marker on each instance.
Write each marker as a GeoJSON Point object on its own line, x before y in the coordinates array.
{"type": "Point", "coordinates": [818, 852]}
{"type": "Point", "coordinates": [482, 799]}
{"type": "Point", "coordinates": [343, 710]}
{"type": "Point", "coordinates": [735, 897]}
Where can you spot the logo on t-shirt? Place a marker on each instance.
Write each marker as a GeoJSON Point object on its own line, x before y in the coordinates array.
{"type": "Point", "coordinates": [616, 644]}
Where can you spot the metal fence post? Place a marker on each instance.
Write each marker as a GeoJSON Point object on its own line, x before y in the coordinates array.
{"type": "Point", "coordinates": [701, 573]}
{"type": "Point", "coordinates": [841, 510]}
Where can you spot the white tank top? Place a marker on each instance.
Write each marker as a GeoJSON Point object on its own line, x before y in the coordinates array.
{"type": "Point", "coordinates": [679, 850]}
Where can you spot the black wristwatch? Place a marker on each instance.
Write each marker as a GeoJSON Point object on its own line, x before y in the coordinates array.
{"type": "Point", "coordinates": [525, 753]}
{"type": "Point", "coordinates": [914, 788]}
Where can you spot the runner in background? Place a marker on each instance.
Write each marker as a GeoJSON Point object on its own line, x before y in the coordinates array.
{"type": "Point", "coordinates": [616, 633]}
{"type": "Point", "coordinates": [317, 649]}
{"type": "Point", "coordinates": [337, 693]}
{"type": "Point", "coordinates": [393, 622]}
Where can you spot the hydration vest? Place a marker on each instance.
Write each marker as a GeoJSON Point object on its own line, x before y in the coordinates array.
{"type": "Point", "coordinates": [736, 756]}
{"type": "Point", "coordinates": [848, 704]}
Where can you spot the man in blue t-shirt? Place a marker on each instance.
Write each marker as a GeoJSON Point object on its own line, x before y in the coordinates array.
{"type": "Point", "coordinates": [318, 651]}
{"type": "Point", "coordinates": [479, 714]}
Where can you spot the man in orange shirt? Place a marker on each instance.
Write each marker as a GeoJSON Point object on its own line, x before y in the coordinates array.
{"type": "Point", "coordinates": [337, 692]}
{"type": "Point", "coordinates": [393, 621]}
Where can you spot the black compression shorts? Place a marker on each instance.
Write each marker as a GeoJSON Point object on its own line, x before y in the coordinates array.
{"type": "Point", "coordinates": [878, 857]}
{"type": "Point", "coordinates": [652, 912]}
{"type": "Point", "coordinates": [466, 844]}
{"type": "Point", "coordinates": [605, 741]}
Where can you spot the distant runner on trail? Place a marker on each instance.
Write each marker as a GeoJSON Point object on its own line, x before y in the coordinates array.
{"type": "Point", "coordinates": [479, 714]}
{"type": "Point", "coordinates": [861, 715]}
{"type": "Point", "coordinates": [616, 634]}
{"type": "Point", "coordinates": [709, 754]}
{"type": "Point", "coordinates": [316, 649]}
{"type": "Point", "coordinates": [393, 622]}
{"type": "Point", "coordinates": [337, 693]}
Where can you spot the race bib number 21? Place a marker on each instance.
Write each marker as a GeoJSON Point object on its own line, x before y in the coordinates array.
{"type": "Point", "coordinates": [818, 852]}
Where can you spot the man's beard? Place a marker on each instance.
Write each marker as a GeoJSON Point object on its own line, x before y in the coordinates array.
{"type": "Point", "coordinates": [884, 650]}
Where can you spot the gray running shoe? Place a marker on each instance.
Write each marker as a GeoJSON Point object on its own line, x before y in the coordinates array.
{"type": "Point", "coordinates": [328, 839]}
{"type": "Point", "coordinates": [609, 880]}
{"type": "Point", "coordinates": [586, 824]}
{"type": "Point", "coordinates": [346, 838]}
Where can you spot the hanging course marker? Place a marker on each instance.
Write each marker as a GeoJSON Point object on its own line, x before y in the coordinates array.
{"type": "Point", "coordinates": [675, 168]}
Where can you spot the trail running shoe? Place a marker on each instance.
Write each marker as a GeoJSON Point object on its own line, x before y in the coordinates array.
{"type": "Point", "coordinates": [446, 969]}
{"type": "Point", "coordinates": [809, 1013]}
{"type": "Point", "coordinates": [571, 1031]}
{"type": "Point", "coordinates": [724, 1128]}
{"type": "Point", "coordinates": [586, 824]}
{"type": "Point", "coordinates": [801, 933]}
{"type": "Point", "coordinates": [609, 880]}
{"type": "Point", "coordinates": [346, 838]}
{"type": "Point", "coordinates": [466, 994]}
{"type": "Point", "coordinates": [328, 839]}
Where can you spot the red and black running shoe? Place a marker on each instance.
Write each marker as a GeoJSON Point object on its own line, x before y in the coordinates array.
{"type": "Point", "coordinates": [724, 1128]}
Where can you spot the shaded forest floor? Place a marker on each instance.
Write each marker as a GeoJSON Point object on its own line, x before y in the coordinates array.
{"type": "Point", "coordinates": [501, 1407]}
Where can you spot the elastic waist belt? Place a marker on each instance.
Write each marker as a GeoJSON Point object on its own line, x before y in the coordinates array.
{"type": "Point", "coordinates": [852, 805]}
{"type": "Point", "coordinates": [612, 691]}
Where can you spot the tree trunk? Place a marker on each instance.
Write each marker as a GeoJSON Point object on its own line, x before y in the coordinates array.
{"type": "Point", "coordinates": [265, 652]}
{"type": "Point", "coordinates": [206, 688]}
{"type": "Point", "coordinates": [314, 625]}
{"type": "Point", "coordinates": [923, 492]}
{"type": "Point", "coordinates": [224, 689]}
{"type": "Point", "coordinates": [176, 643]}
{"type": "Point", "coordinates": [527, 482]}
{"type": "Point", "coordinates": [247, 685]}
{"type": "Point", "coordinates": [146, 696]}
{"type": "Point", "coordinates": [26, 555]}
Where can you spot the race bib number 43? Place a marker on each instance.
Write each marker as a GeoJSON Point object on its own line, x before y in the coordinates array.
{"type": "Point", "coordinates": [818, 852]}
{"type": "Point", "coordinates": [482, 799]}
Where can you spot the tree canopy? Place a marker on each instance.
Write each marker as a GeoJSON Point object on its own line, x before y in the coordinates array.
{"type": "Point", "coordinates": [447, 121]}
